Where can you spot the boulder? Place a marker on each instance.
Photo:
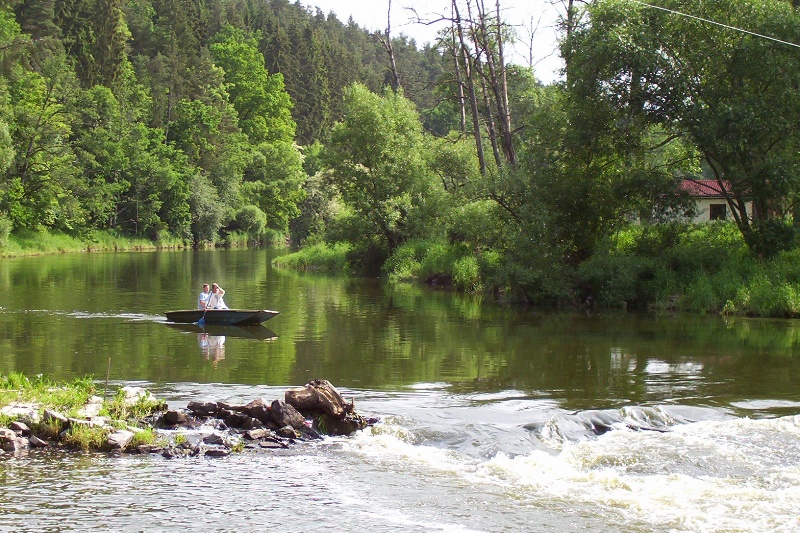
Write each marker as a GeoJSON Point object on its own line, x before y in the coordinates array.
{"type": "Point", "coordinates": [174, 418]}
{"type": "Point", "coordinates": [20, 428]}
{"type": "Point", "coordinates": [92, 407]}
{"type": "Point", "coordinates": [339, 426]}
{"type": "Point", "coordinates": [24, 412]}
{"type": "Point", "coordinates": [119, 439]}
{"type": "Point", "coordinates": [56, 418]}
{"type": "Point", "coordinates": [318, 396]}
{"type": "Point", "coordinates": [204, 409]}
{"type": "Point", "coordinates": [36, 442]}
{"type": "Point", "coordinates": [284, 414]}
{"type": "Point", "coordinates": [259, 409]}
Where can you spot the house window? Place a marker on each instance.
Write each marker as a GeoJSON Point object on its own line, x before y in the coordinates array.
{"type": "Point", "coordinates": [718, 212]}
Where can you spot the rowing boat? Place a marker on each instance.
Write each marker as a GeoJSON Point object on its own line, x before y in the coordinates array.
{"type": "Point", "coordinates": [238, 317]}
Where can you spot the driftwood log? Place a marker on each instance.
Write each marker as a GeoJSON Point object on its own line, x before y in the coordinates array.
{"type": "Point", "coordinates": [319, 396]}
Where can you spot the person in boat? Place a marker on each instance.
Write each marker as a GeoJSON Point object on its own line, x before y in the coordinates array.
{"type": "Point", "coordinates": [215, 301]}
{"type": "Point", "coordinates": [203, 297]}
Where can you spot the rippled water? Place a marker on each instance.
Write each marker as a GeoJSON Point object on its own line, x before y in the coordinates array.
{"type": "Point", "coordinates": [492, 418]}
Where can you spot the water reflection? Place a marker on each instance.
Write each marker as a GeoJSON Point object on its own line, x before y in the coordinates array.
{"type": "Point", "coordinates": [218, 330]}
{"type": "Point", "coordinates": [212, 347]}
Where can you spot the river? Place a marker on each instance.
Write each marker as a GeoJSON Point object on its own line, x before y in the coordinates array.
{"type": "Point", "coordinates": [493, 418]}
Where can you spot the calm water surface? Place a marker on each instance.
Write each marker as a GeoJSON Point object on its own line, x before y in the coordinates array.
{"type": "Point", "coordinates": [493, 418]}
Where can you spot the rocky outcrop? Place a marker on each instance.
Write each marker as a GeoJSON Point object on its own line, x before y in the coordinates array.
{"type": "Point", "coordinates": [212, 429]}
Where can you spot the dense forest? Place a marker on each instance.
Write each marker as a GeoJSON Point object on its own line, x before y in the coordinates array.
{"type": "Point", "coordinates": [206, 121]}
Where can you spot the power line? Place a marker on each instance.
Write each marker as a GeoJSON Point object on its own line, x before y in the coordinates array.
{"type": "Point", "coordinates": [715, 23]}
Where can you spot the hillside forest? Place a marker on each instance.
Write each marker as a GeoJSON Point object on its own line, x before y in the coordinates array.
{"type": "Point", "coordinates": [213, 122]}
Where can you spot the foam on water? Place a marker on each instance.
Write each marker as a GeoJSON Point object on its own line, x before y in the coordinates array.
{"type": "Point", "coordinates": [718, 475]}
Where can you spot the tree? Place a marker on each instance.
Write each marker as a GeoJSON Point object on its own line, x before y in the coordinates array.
{"type": "Point", "coordinates": [260, 99]}
{"type": "Point", "coordinates": [378, 162]}
{"type": "Point", "coordinates": [731, 93]}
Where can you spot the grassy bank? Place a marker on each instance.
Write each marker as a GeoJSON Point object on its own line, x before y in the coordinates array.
{"type": "Point", "coordinates": [26, 243]}
{"type": "Point", "coordinates": [33, 401]}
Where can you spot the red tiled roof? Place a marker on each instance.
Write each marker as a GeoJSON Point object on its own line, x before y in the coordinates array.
{"type": "Point", "coordinates": [704, 188]}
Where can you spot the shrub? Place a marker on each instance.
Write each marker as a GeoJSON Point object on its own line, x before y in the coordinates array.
{"type": "Point", "coordinates": [318, 257]}
{"type": "Point", "coordinates": [251, 220]}
{"type": "Point", "coordinates": [466, 274]}
{"type": "Point", "coordinates": [5, 231]}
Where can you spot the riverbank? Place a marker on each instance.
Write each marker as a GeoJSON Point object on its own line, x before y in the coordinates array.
{"type": "Point", "coordinates": [37, 413]}
{"type": "Point", "coordinates": [44, 242]}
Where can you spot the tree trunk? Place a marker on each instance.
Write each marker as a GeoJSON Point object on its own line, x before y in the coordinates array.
{"type": "Point", "coordinates": [473, 98]}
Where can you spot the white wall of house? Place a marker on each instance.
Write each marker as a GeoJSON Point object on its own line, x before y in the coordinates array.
{"type": "Point", "coordinates": [705, 209]}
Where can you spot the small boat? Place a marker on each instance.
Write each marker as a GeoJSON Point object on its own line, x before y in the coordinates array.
{"type": "Point", "coordinates": [230, 317]}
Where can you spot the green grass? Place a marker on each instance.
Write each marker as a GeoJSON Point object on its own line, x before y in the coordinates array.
{"type": "Point", "coordinates": [68, 398]}
{"type": "Point", "coordinates": [118, 409]}
{"type": "Point", "coordinates": [26, 242]}
{"type": "Point", "coordinates": [325, 258]}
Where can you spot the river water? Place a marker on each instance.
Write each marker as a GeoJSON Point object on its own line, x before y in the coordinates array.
{"type": "Point", "coordinates": [492, 418]}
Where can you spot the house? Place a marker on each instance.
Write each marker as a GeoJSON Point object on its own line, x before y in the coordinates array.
{"type": "Point", "coordinates": [710, 200]}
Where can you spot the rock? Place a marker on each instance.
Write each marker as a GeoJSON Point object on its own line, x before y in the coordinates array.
{"type": "Point", "coordinates": [236, 420]}
{"type": "Point", "coordinates": [217, 452]}
{"type": "Point", "coordinates": [119, 439]}
{"type": "Point", "coordinates": [204, 409]}
{"type": "Point", "coordinates": [24, 412]}
{"type": "Point", "coordinates": [85, 423]}
{"type": "Point", "coordinates": [259, 409]}
{"type": "Point", "coordinates": [284, 414]}
{"type": "Point", "coordinates": [8, 439]}
{"type": "Point", "coordinates": [289, 432]}
{"type": "Point", "coordinates": [335, 426]}
{"type": "Point", "coordinates": [92, 407]}
{"type": "Point", "coordinates": [149, 448]}
{"type": "Point", "coordinates": [214, 439]}
{"type": "Point", "coordinates": [20, 428]}
{"type": "Point", "coordinates": [55, 418]}
{"type": "Point", "coordinates": [231, 407]}
{"type": "Point", "coordinates": [273, 445]}
{"type": "Point", "coordinates": [173, 418]}
{"type": "Point", "coordinates": [11, 442]}
{"type": "Point", "coordinates": [134, 395]}
{"type": "Point", "coordinates": [36, 442]}
{"type": "Point", "coordinates": [318, 396]}
{"type": "Point", "coordinates": [256, 434]}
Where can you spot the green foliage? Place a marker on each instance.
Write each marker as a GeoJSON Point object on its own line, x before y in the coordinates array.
{"type": "Point", "coordinates": [319, 257]}
{"type": "Point", "coordinates": [251, 220]}
{"type": "Point", "coordinates": [86, 437]}
{"type": "Point", "coordinates": [467, 274]}
{"type": "Point", "coordinates": [5, 231]}
{"type": "Point", "coordinates": [144, 436]}
{"type": "Point", "coordinates": [121, 408]}
{"type": "Point", "coordinates": [67, 397]}
{"type": "Point", "coordinates": [377, 158]}
{"type": "Point", "coordinates": [632, 67]}
{"type": "Point", "coordinates": [260, 98]}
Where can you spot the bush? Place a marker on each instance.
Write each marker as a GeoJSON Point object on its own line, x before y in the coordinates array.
{"type": "Point", "coordinates": [318, 257]}
{"type": "Point", "coordinates": [5, 231]}
{"type": "Point", "coordinates": [251, 220]}
{"type": "Point", "coordinates": [466, 274]}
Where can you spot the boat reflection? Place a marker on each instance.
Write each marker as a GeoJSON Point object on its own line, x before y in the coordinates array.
{"type": "Point", "coordinates": [218, 330]}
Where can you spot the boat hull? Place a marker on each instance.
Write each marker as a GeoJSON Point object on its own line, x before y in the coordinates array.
{"type": "Point", "coordinates": [229, 317]}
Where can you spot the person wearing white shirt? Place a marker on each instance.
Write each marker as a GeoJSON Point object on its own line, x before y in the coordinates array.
{"type": "Point", "coordinates": [215, 301]}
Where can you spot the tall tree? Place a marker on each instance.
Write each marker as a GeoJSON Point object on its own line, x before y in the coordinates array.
{"type": "Point", "coordinates": [731, 92]}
